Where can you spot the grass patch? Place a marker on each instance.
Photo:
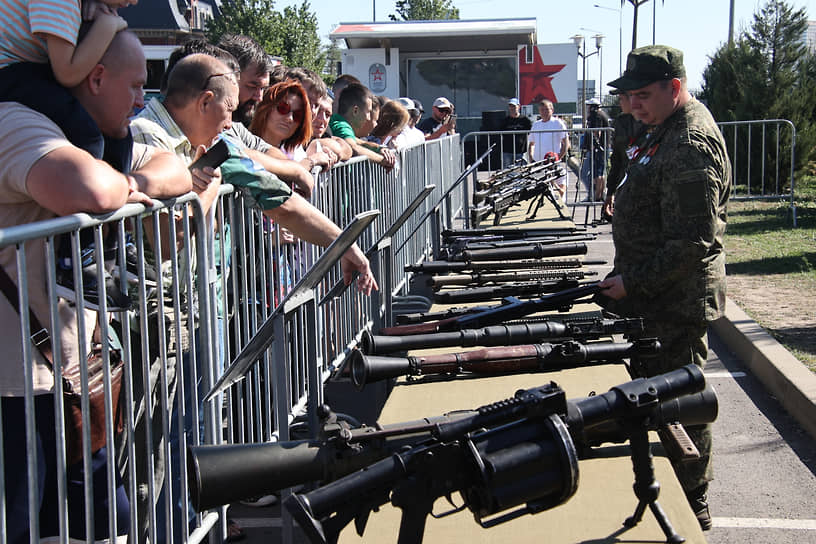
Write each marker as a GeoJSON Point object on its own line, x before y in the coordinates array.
{"type": "Point", "coordinates": [772, 267]}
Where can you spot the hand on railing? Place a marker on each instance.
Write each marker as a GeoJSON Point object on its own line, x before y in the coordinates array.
{"type": "Point", "coordinates": [355, 261]}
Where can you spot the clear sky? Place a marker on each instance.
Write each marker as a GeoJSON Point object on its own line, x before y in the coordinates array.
{"type": "Point", "coordinates": [697, 27]}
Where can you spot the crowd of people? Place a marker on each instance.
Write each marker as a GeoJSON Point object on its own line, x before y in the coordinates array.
{"type": "Point", "coordinates": [71, 82]}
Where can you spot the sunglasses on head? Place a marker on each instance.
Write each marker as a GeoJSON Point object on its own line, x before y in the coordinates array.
{"type": "Point", "coordinates": [284, 108]}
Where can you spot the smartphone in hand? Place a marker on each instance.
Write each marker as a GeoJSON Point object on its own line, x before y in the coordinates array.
{"type": "Point", "coordinates": [213, 157]}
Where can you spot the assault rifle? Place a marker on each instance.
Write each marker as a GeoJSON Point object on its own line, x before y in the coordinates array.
{"type": "Point", "coordinates": [511, 308]}
{"type": "Point", "coordinates": [498, 361]}
{"type": "Point", "coordinates": [504, 335]}
{"type": "Point", "coordinates": [462, 244]}
{"type": "Point", "coordinates": [511, 458]}
{"type": "Point", "coordinates": [509, 234]}
{"type": "Point", "coordinates": [542, 434]}
{"type": "Point", "coordinates": [525, 251]}
{"type": "Point", "coordinates": [484, 278]}
{"type": "Point", "coordinates": [519, 289]}
{"type": "Point", "coordinates": [442, 267]}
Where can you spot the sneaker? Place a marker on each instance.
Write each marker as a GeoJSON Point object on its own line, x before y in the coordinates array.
{"type": "Point", "coordinates": [698, 500]}
{"type": "Point", "coordinates": [265, 500]}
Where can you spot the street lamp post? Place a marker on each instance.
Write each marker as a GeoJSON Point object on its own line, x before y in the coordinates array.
{"type": "Point", "coordinates": [620, 35]}
{"type": "Point", "coordinates": [578, 39]}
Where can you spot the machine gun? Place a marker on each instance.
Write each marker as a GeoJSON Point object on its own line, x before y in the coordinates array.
{"type": "Point", "coordinates": [484, 278]}
{"type": "Point", "coordinates": [544, 169]}
{"type": "Point", "coordinates": [500, 202]}
{"type": "Point", "coordinates": [511, 308]}
{"type": "Point", "coordinates": [503, 335]}
{"type": "Point", "coordinates": [444, 267]}
{"type": "Point", "coordinates": [520, 289]}
{"type": "Point", "coordinates": [509, 234]}
{"type": "Point", "coordinates": [524, 251]}
{"type": "Point", "coordinates": [515, 454]}
{"type": "Point", "coordinates": [498, 361]}
{"type": "Point", "coordinates": [454, 247]}
{"type": "Point", "coordinates": [222, 474]}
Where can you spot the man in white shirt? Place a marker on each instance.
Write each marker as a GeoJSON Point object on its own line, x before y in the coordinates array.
{"type": "Point", "coordinates": [548, 134]}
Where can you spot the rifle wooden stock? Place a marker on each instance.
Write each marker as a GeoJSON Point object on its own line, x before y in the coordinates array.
{"type": "Point", "coordinates": [496, 361]}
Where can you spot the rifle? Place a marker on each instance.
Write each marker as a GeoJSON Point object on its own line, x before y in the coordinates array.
{"type": "Point", "coordinates": [499, 203]}
{"type": "Point", "coordinates": [439, 267]}
{"type": "Point", "coordinates": [503, 335]}
{"type": "Point", "coordinates": [511, 308]}
{"type": "Point", "coordinates": [498, 361]}
{"type": "Point", "coordinates": [527, 174]}
{"type": "Point", "coordinates": [462, 244]}
{"type": "Point", "coordinates": [482, 278]}
{"type": "Point", "coordinates": [509, 234]}
{"type": "Point", "coordinates": [515, 454]}
{"type": "Point", "coordinates": [520, 289]}
{"type": "Point", "coordinates": [527, 251]}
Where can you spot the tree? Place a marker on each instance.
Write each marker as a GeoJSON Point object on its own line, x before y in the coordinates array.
{"type": "Point", "coordinates": [291, 35]}
{"type": "Point", "coordinates": [767, 73]}
{"type": "Point", "coordinates": [425, 10]}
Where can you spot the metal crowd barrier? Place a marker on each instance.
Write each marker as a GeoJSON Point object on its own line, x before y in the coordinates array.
{"type": "Point", "coordinates": [763, 159]}
{"type": "Point", "coordinates": [196, 304]}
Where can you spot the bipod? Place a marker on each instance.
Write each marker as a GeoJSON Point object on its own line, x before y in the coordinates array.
{"type": "Point", "coordinates": [646, 487]}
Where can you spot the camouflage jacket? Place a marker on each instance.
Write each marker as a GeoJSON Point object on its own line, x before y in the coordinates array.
{"type": "Point", "coordinates": [669, 221]}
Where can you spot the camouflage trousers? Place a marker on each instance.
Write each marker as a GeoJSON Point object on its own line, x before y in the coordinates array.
{"type": "Point", "coordinates": [682, 345]}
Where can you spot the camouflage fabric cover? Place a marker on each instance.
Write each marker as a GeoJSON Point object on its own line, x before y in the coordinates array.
{"type": "Point", "coordinates": [669, 222]}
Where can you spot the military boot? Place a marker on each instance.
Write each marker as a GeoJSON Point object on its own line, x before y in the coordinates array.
{"type": "Point", "coordinates": [698, 500]}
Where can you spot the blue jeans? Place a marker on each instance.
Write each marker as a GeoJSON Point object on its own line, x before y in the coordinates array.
{"type": "Point", "coordinates": [16, 474]}
{"type": "Point", "coordinates": [509, 159]}
{"type": "Point", "coordinates": [592, 167]}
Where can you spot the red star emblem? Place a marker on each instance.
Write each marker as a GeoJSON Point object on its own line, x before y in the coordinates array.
{"type": "Point", "coordinates": [377, 75]}
{"type": "Point", "coordinates": [535, 80]}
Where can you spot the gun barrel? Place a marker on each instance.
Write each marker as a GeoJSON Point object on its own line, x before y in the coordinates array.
{"type": "Point", "coordinates": [493, 361]}
{"type": "Point", "coordinates": [533, 251]}
{"type": "Point", "coordinates": [640, 395]}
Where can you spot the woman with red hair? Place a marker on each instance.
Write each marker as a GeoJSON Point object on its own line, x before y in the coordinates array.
{"type": "Point", "coordinates": [284, 120]}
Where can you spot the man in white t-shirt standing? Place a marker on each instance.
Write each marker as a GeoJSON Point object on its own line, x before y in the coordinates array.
{"type": "Point", "coordinates": [548, 134]}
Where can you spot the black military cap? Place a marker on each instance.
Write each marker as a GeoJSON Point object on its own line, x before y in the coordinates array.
{"type": "Point", "coordinates": [645, 65]}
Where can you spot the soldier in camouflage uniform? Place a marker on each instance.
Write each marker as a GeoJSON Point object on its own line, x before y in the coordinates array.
{"type": "Point", "coordinates": [668, 230]}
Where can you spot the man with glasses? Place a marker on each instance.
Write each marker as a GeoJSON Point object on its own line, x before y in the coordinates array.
{"type": "Point", "coordinates": [442, 122]}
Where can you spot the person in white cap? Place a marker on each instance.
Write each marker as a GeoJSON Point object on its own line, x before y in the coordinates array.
{"type": "Point", "coordinates": [442, 121]}
{"type": "Point", "coordinates": [514, 146]}
{"type": "Point", "coordinates": [410, 135]}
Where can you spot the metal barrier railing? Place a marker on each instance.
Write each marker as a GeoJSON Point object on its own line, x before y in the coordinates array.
{"type": "Point", "coordinates": [763, 159]}
{"type": "Point", "coordinates": [196, 304]}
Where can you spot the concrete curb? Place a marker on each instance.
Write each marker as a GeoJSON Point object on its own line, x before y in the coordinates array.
{"type": "Point", "coordinates": [785, 377]}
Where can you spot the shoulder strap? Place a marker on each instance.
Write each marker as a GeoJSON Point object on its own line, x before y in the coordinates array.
{"type": "Point", "coordinates": [41, 339]}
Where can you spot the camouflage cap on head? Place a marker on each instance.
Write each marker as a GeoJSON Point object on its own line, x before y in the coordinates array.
{"type": "Point", "coordinates": [645, 65]}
